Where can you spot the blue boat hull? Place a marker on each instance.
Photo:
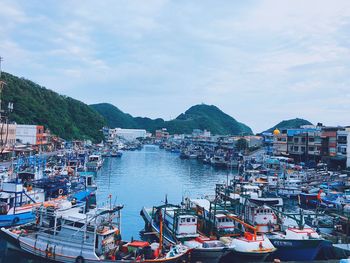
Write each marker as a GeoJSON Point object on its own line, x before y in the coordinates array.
{"type": "Point", "coordinates": [296, 250]}
{"type": "Point", "coordinates": [16, 219]}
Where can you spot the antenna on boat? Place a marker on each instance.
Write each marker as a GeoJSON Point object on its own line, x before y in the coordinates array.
{"type": "Point", "coordinates": [110, 201]}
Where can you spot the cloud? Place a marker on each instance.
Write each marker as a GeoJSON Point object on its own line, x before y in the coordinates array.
{"type": "Point", "coordinates": [260, 61]}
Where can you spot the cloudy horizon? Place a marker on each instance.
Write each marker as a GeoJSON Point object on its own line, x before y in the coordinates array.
{"type": "Point", "coordinates": [259, 61]}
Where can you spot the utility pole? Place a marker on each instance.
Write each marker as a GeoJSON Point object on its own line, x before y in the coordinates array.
{"type": "Point", "coordinates": [1, 59]}
{"type": "Point", "coordinates": [2, 85]}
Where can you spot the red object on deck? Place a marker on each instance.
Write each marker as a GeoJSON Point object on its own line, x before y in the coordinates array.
{"type": "Point", "coordinates": [202, 239]}
{"type": "Point", "coordinates": [125, 248]}
{"type": "Point", "coordinates": [139, 244]}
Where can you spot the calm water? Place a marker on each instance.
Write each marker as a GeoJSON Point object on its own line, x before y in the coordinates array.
{"type": "Point", "coordinates": [143, 178]}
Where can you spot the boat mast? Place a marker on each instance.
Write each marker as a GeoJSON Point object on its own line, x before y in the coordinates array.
{"type": "Point", "coordinates": [160, 233]}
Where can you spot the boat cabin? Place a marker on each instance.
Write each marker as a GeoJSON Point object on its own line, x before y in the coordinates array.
{"type": "Point", "coordinates": [260, 216]}
{"type": "Point", "coordinates": [221, 221]}
{"type": "Point", "coordinates": [95, 158]}
{"type": "Point", "coordinates": [224, 223]}
{"type": "Point", "coordinates": [181, 223]}
{"type": "Point", "coordinates": [15, 195]}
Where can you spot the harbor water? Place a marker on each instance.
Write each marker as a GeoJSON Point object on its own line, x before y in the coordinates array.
{"type": "Point", "coordinates": [143, 178]}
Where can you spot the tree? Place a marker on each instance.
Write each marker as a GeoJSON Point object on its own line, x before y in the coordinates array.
{"type": "Point", "coordinates": [241, 144]}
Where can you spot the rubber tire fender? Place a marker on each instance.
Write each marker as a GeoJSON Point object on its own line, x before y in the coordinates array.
{"type": "Point", "coordinates": [15, 221]}
{"type": "Point", "coordinates": [79, 259]}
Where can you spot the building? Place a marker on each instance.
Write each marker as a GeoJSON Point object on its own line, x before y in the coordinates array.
{"type": "Point", "coordinates": [280, 143]}
{"type": "Point", "coordinates": [127, 134]}
{"type": "Point", "coordinates": [329, 140]}
{"type": "Point", "coordinates": [8, 134]}
{"type": "Point", "coordinates": [304, 144]}
{"type": "Point", "coordinates": [162, 134]}
{"type": "Point", "coordinates": [31, 134]}
{"type": "Point", "coordinates": [268, 142]}
{"type": "Point", "coordinates": [347, 129]}
{"type": "Point", "coordinates": [254, 141]}
{"type": "Point", "coordinates": [199, 133]}
{"type": "Point", "coordinates": [26, 134]}
{"type": "Point", "coordinates": [342, 158]}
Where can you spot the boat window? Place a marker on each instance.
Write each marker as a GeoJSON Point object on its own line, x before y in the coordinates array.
{"type": "Point", "coordinates": [183, 220]}
{"type": "Point", "coordinates": [193, 220]}
{"type": "Point", "coordinates": [96, 242]}
{"type": "Point", "coordinates": [89, 181]}
{"type": "Point", "coordinates": [188, 220]}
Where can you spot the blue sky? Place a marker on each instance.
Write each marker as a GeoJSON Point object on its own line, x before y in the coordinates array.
{"type": "Point", "coordinates": [259, 61]}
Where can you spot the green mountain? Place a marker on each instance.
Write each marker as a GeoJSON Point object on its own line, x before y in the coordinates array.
{"type": "Point", "coordinates": [114, 116]}
{"type": "Point", "coordinates": [289, 124]}
{"type": "Point", "coordinates": [64, 116]}
{"type": "Point", "coordinates": [209, 117]}
{"type": "Point", "coordinates": [197, 117]}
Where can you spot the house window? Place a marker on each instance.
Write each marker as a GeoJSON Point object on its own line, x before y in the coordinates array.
{"type": "Point", "coordinates": [296, 148]}
{"type": "Point", "coordinates": [311, 148]}
{"type": "Point", "coordinates": [311, 139]}
{"type": "Point", "coordinates": [302, 148]}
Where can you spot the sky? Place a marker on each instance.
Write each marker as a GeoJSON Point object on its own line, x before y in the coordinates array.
{"type": "Point", "coordinates": [259, 61]}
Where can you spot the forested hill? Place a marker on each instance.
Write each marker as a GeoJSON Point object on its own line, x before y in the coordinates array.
{"type": "Point", "coordinates": [197, 117]}
{"type": "Point", "coordinates": [289, 124]}
{"type": "Point", "coordinates": [64, 116]}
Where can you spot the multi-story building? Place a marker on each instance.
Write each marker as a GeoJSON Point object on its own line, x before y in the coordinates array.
{"type": "Point", "coordinates": [162, 134]}
{"type": "Point", "coordinates": [254, 141]}
{"type": "Point", "coordinates": [268, 142]}
{"type": "Point", "coordinates": [343, 147]}
{"type": "Point", "coordinates": [8, 135]}
{"type": "Point", "coordinates": [280, 143]}
{"type": "Point", "coordinates": [304, 144]}
{"type": "Point", "coordinates": [347, 129]}
{"type": "Point", "coordinates": [329, 141]}
{"type": "Point", "coordinates": [31, 134]}
{"type": "Point", "coordinates": [26, 134]}
{"type": "Point", "coordinates": [129, 134]}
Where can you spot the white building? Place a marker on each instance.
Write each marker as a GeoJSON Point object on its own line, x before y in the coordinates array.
{"type": "Point", "coordinates": [347, 129]}
{"type": "Point", "coordinates": [127, 134]}
{"type": "Point", "coordinates": [343, 144]}
{"type": "Point", "coordinates": [26, 133]}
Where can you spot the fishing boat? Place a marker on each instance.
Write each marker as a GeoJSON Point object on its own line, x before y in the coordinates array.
{"type": "Point", "coordinates": [69, 233]}
{"type": "Point", "coordinates": [218, 161]}
{"type": "Point", "coordinates": [16, 203]}
{"type": "Point", "coordinates": [248, 245]}
{"type": "Point", "coordinates": [180, 225]}
{"type": "Point", "coordinates": [294, 241]}
{"type": "Point", "coordinates": [290, 188]}
{"type": "Point", "coordinates": [296, 244]}
{"type": "Point", "coordinates": [95, 162]}
{"type": "Point", "coordinates": [117, 154]}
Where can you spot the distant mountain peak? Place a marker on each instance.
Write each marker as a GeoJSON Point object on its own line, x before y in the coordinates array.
{"type": "Point", "coordinates": [290, 124]}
